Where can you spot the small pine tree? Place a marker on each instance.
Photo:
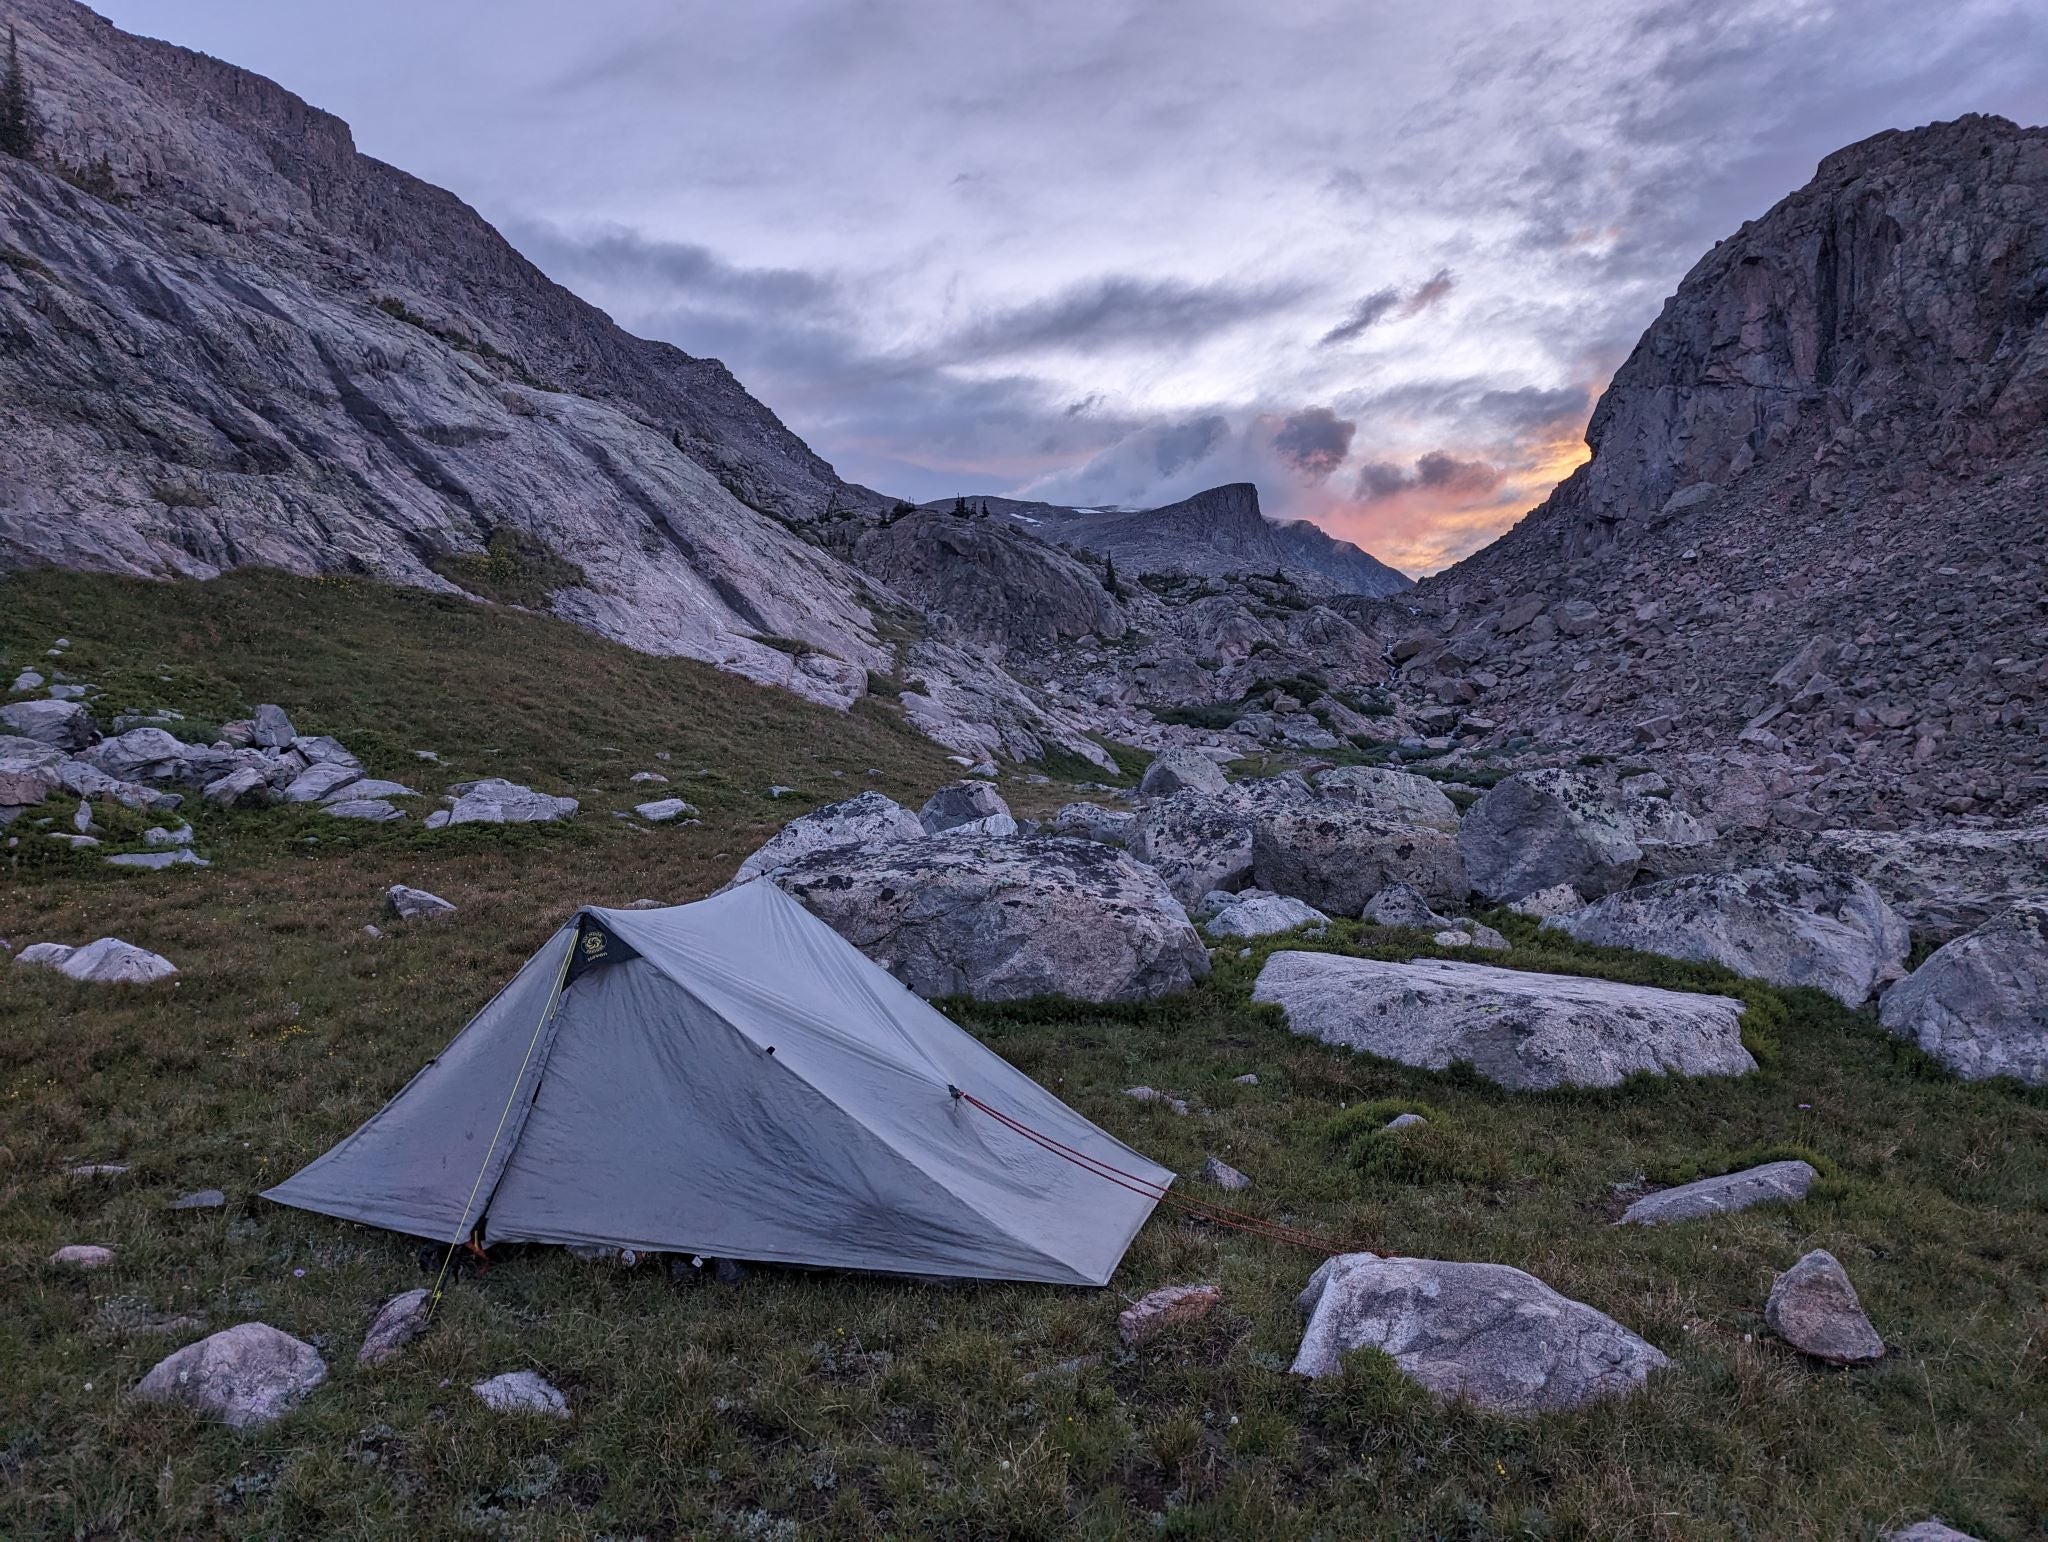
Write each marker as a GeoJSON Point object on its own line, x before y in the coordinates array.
{"type": "Point", "coordinates": [18, 125]}
{"type": "Point", "coordinates": [959, 507]}
{"type": "Point", "coordinates": [1109, 578]}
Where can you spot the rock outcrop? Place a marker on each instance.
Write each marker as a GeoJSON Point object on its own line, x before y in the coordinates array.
{"type": "Point", "coordinates": [1789, 925]}
{"type": "Point", "coordinates": [1483, 1334]}
{"type": "Point", "coordinates": [871, 819]}
{"type": "Point", "coordinates": [1525, 1031]}
{"type": "Point", "coordinates": [1003, 919]}
{"type": "Point", "coordinates": [1979, 1004]}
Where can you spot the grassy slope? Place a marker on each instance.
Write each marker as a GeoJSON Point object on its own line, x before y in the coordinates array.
{"type": "Point", "coordinates": [797, 1404]}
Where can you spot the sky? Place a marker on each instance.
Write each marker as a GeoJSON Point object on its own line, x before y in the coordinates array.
{"type": "Point", "coordinates": [1379, 258]}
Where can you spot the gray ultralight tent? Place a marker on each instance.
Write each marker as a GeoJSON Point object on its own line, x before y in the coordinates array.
{"type": "Point", "coordinates": [732, 1078]}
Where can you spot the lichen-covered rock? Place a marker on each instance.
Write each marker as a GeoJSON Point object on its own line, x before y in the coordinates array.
{"type": "Point", "coordinates": [1195, 842]}
{"type": "Point", "coordinates": [1814, 1308]}
{"type": "Point", "coordinates": [1929, 1530]}
{"type": "Point", "coordinates": [1001, 919]}
{"type": "Point", "coordinates": [1789, 925]}
{"type": "Point", "coordinates": [1979, 1004]}
{"type": "Point", "coordinates": [1222, 1175]}
{"type": "Point", "coordinates": [1536, 829]}
{"type": "Point", "coordinates": [1525, 1031]}
{"type": "Point", "coordinates": [662, 811]}
{"type": "Point", "coordinates": [1944, 880]}
{"type": "Point", "coordinates": [967, 805]}
{"type": "Point", "coordinates": [270, 729]}
{"type": "Point", "coordinates": [1337, 856]}
{"type": "Point", "coordinates": [1399, 797]}
{"type": "Point", "coordinates": [243, 787]}
{"type": "Point", "coordinates": [1773, 1183]}
{"type": "Point", "coordinates": [868, 820]}
{"type": "Point", "coordinates": [1092, 822]}
{"type": "Point", "coordinates": [246, 1375]}
{"type": "Point", "coordinates": [82, 1255]}
{"type": "Point", "coordinates": [495, 801]}
{"type": "Point", "coordinates": [1560, 899]}
{"type": "Point", "coordinates": [1400, 904]}
{"type": "Point", "coordinates": [1181, 770]}
{"type": "Point", "coordinates": [1485, 1334]}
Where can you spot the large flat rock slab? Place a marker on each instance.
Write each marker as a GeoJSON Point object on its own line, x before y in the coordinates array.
{"type": "Point", "coordinates": [1524, 1031]}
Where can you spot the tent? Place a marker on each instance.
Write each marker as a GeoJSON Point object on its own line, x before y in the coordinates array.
{"type": "Point", "coordinates": [734, 1079]}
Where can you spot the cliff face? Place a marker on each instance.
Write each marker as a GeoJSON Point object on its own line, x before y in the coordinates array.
{"type": "Point", "coordinates": [252, 344]}
{"type": "Point", "coordinates": [1884, 321]}
{"type": "Point", "coordinates": [1812, 525]}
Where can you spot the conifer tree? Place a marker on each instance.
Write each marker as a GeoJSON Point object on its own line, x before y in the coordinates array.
{"type": "Point", "coordinates": [1109, 578]}
{"type": "Point", "coordinates": [18, 126]}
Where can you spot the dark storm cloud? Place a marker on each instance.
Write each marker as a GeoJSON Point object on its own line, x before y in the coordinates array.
{"type": "Point", "coordinates": [1181, 445]}
{"type": "Point", "coordinates": [1314, 441]}
{"type": "Point", "coordinates": [1364, 315]}
{"type": "Point", "coordinates": [1118, 310]}
{"type": "Point", "coordinates": [619, 256]}
{"type": "Point", "coordinates": [1437, 471]}
{"type": "Point", "coordinates": [1382, 303]}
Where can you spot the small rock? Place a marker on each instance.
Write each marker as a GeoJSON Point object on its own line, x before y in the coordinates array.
{"type": "Point", "coordinates": [1772, 1183]}
{"type": "Point", "coordinates": [62, 725]}
{"type": "Point", "coordinates": [401, 1320]}
{"type": "Point", "coordinates": [246, 1375]}
{"type": "Point", "coordinates": [1154, 1313]}
{"type": "Point", "coordinates": [1224, 1176]}
{"type": "Point", "coordinates": [157, 861]}
{"type": "Point", "coordinates": [1180, 770]}
{"type": "Point", "coordinates": [96, 1170]}
{"type": "Point", "coordinates": [1929, 1530]}
{"type": "Point", "coordinates": [1557, 900]}
{"type": "Point", "coordinates": [81, 821]}
{"type": "Point", "coordinates": [663, 809]}
{"type": "Point", "coordinates": [1813, 1307]}
{"type": "Point", "coordinates": [431, 757]}
{"type": "Point", "coordinates": [1403, 1122]}
{"type": "Point", "coordinates": [372, 787]}
{"type": "Point", "coordinates": [82, 1255]}
{"type": "Point", "coordinates": [1400, 905]}
{"type": "Point", "coordinates": [200, 1199]}
{"type": "Point", "coordinates": [243, 787]}
{"type": "Point", "coordinates": [1256, 913]}
{"type": "Point", "coordinates": [27, 680]}
{"type": "Point", "coordinates": [1249, 1079]}
{"type": "Point", "coordinates": [522, 1392]}
{"type": "Point", "coordinates": [373, 932]}
{"type": "Point", "coordinates": [780, 791]}
{"type": "Point", "coordinates": [648, 776]}
{"type": "Point", "coordinates": [413, 904]}
{"type": "Point", "coordinates": [374, 810]}
{"type": "Point", "coordinates": [438, 818]}
{"type": "Point", "coordinates": [157, 835]}
{"type": "Point", "coordinates": [1154, 1095]}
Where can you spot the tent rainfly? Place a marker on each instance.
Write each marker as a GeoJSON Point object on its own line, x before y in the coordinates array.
{"type": "Point", "coordinates": [734, 1079]}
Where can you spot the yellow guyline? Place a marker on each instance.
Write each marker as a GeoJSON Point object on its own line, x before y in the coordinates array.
{"type": "Point", "coordinates": [554, 994]}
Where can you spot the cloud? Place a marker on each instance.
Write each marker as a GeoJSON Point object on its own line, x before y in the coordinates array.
{"type": "Point", "coordinates": [1367, 313]}
{"type": "Point", "coordinates": [1116, 311]}
{"type": "Point", "coordinates": [1382, 303]}
{"type": "Point", "coordinates": [1314, 441]}
{"type": "Point", "coordinates": [1437, 471]}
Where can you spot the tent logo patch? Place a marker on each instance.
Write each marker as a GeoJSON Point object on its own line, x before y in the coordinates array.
{"type": "Point", "coordinates": [595, 946]}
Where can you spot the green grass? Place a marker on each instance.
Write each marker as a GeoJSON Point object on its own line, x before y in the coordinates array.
{"type": "Point", "coordinates": [823, 1405]}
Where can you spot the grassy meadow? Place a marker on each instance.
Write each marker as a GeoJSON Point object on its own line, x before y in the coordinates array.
{"type": "Point", "coordinates": [793, 1405]}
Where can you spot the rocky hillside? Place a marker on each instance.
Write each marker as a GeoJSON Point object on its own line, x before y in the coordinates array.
{"type": "Point", "coordinates": [1218, 533]}
{"type": "Point", "coordinates": [1812, 521]}
{"type": "Point", "coordinates": [226, 338]}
